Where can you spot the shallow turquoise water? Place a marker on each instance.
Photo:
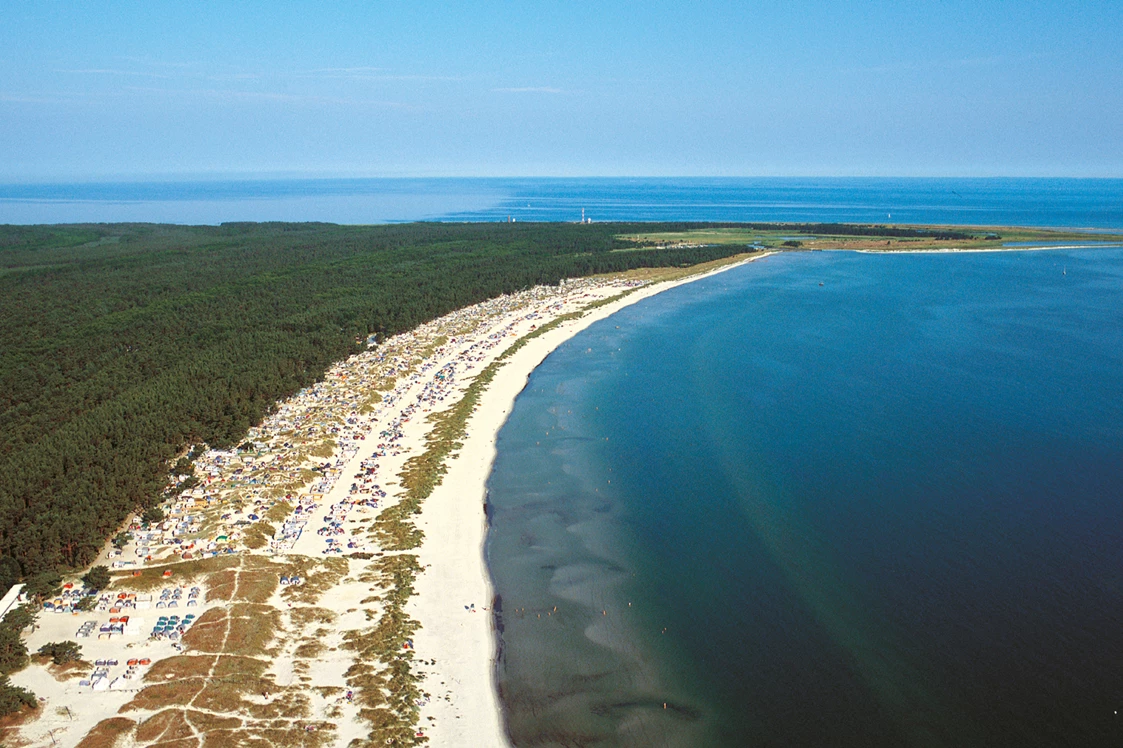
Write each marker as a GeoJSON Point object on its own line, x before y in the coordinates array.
{"type": "Point", "coordinates": [884, 510]}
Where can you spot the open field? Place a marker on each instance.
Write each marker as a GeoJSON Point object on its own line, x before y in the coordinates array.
{"type": "Point", "coordinates": [882, 237]}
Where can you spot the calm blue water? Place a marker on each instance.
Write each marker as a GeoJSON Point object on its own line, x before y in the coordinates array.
{"type": "Point", "coordinates": [1080, 203]}
{"type": "Point", "coordinates": [886, 510]}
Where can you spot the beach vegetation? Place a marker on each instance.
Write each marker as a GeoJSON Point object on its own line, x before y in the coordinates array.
{"type": "Point", "coordinates": [250, 629]}
{"type": "Point", "coordinates": [257, 535]}
{"type": "Point", "coordinates": [423, 472]}
{"type": "Point", "coordinates": [106, 733]}
{"type": "Point", "coordinates": [152, 515]}
{"type": "Point", "coordinates": [387, 689]}
{"type": "Point", "coordinates": [303, 617]}
{"type": "Point", "coordinates": [170, 725]}
{"type": "Point", "coordinates": [13, 650]}
{"type": "Point", "coordinates": [61, 652]}
{"type": "Point", "coordinates": [220, 687]}
{"type": "Point", "coordinates": [46, 583]}
{"type": "Point", "coordinates": [97, 578]}
{"type": "Point", "coordinates": [152, 577]}
{"type": "Point", "coordinates": [309, 649]}
{"type": "Point", "coordinates": [318, 576]}
{"type": "Point", "coordinates": [179, 668]}
{"type": "Point", "coordinates": [279, 512]}
{"type": "Point", "coordinates": [183, 466]}
{"type": "Point", "coordinates": [13, 657]}
{"type": "Point", "coordinates": [19, 617]}
{"type": "Point", "coordinates": [13, 698]}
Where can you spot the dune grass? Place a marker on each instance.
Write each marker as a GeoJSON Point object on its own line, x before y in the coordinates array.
{"type": "Point", "coordinates": [106, 733]}
{"type": "Point", "coordinates": [384, 682]}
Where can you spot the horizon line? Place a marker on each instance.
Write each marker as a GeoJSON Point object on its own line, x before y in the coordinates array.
{"type": "Point", "coordinates": [187, 177]}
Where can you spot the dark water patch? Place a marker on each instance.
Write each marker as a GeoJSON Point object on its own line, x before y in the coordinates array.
{"type": "Point", "coordinates": [622, 708]}
{"type": "Point", "coordinates": [881, 511]}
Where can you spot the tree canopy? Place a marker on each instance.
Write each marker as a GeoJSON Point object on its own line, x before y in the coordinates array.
{"type": "Point", "coordinates": [61, 652]}
{"type": "Point", "coordinates": [122, 344]}
{"type": "Point", "coordinates": [97, 578]}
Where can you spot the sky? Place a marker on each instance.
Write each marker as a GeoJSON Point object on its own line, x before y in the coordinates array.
{"type": "Point", "coordinates": [134, 90]}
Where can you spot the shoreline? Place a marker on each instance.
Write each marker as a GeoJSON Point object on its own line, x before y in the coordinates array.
{"type": "Point", "coordinates": [969, 250]}
{"type": "Point", "coordinates": [370, 595]}
{"type": "Point", "coordinates": [454, 516]}
{"type": "Point", "coordinates": [258, 516]}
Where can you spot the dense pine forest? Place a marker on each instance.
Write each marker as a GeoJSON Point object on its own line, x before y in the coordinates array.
{"type": "Point", "coordinates": [121, 344]}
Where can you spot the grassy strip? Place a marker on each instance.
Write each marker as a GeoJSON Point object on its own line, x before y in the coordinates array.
{"type": "Point", "coordinates": [279, 512]}
{"type": "Point", "coordinates": [386, 687]}
{"type": "Point", "coordinates": [257, 535]}
{"type": "Point", "coordinates": [422, 473]}
{"type": "Point", "coordinates": [231, 647]}
{"type": "Point", "coordinates": [106, 733]}
{"type": "Point", "coordinates": [382, 675]}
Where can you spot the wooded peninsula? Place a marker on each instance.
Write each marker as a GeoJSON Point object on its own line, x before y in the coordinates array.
{"type": "Point", "coordinates": [122, 345]}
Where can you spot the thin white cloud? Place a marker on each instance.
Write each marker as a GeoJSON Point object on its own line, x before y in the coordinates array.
{"type": "Point", "coordinates": [530, 89]}
{"type": "Point", "coordinates": [155, 63]}
{"type": "Point", "coordinates": [370, 74]}
{"type": "Point", "coordinates": [362, 70]}
{"type": "Point", "coordinates": [31, 99]}
{"type": "Point", "coordinates": [235, 95]}
{"type": "Point", "coordinates": [419, 78]}
{"type": "Point", "coordinates": [234, 77]}
{"type": "Point", "coordinates": [112, 71]}
{"type": "Point", "coordinates": [179, 70]}
{"type": "Point", "coordinates": [54, 97]}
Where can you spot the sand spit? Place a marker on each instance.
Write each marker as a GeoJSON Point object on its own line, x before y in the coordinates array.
{"type": "Point", "coordinates": [291, 596]}
{"type": "Point", "coordinates": [962, 250]}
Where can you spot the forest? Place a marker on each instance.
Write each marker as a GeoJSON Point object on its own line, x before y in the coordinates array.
{"type": "Point", "coordinates": [895, 232]}
{"type": "Point", "coordinates": [122, 344]}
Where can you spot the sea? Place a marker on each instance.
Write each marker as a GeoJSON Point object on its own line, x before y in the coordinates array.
{"type": "Point", "coordinates": [821, 499]}
{"type": "Point", "coordinates": [1082, 203]}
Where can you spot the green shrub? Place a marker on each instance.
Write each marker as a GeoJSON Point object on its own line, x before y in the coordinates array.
{"type": "Point", "coordinates": [97, 578]}
{"type": "Point", "coordinates": [13, 698]}
{"type": "Point", "coordinates": [44, 584]}
{"type": "Point", "coordinates": [13, 652]}
{"type": "Point", "coordinates": [152, 515]}
{"type": "Point", "coordinates": [61, 652]}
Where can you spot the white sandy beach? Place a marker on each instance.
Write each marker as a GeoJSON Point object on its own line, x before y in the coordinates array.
{"type": "Point", "coordinates": [463, 643]}
{"type": "Point", "coordinates": [303, 502]}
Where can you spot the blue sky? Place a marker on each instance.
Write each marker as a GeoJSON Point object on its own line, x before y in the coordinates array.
{"type": "Point", "coordinates": [95, 90]}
